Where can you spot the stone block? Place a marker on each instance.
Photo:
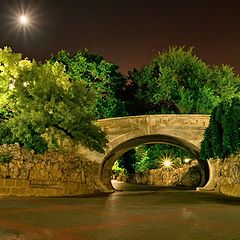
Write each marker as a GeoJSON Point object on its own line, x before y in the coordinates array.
{"type": "Point", "coordinates": [32, 192]}
{"type": "Point", "coordinates": [53, 192]}
{"type": "Point", "coordinates": [83, 188]}
{"type": "Point", "coordinates": [10, 182]}
{"type": "Point", "coordinates": [26, 183]}
{"type": "Point", "coordinates": [4, 190]}
{"type": "Point", "coordinates": [14, 191]}
{"type": "Point", "coordinates": [23, 191]}
{"type": "Point", "coordinates": [20, 183]}
{"type": "Point", "coordinates": [42, 191]}
{"type": "Point", "coordinates": [2, 182]}
{"type": "Point", "coordinates": [232, 190]}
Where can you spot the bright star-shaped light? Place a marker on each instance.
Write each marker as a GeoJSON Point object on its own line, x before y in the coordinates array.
{"type": "Point", "coordinates": [167, 163]}
{"type": "Point", "coordinates": [23, 19]}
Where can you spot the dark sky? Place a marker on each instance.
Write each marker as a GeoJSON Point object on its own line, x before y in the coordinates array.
{"type": "Point", "coordinates": [128, 33]}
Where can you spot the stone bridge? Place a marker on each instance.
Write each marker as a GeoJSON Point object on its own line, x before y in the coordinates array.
{"type": "Point", "coordinates": [124, 133]}
{"type": "Point", "coordinates": [56, 173]}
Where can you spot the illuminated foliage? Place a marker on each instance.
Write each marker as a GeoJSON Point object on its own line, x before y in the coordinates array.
{"type": "Point", "coordinates": [40, 99]}
{"type": "Point", "coordinates": [179, 82]}
{"type": "Point", "coordinates": [101, 76]}
{"type": "Point", "coordinates": [151, 156]}
{"type": "Point", "coordinates": [167, 163]}
{"type": "Point", "coordinates": [222, 137]}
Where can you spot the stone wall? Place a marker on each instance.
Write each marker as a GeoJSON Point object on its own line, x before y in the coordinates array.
{"type": "Point", "coordinates": [187, 176]}
{"type": "Point", "coordinates": [225, 176]}
{"type": "Point", "coordinates": [51, 174]}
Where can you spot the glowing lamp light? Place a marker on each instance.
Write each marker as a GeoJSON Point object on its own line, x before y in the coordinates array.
{"type": "Point", "coordinates": [23, 19]}
{"type": "Point", "coordinates": [167, 163]}
{"type": "Point", "coordinates": [186, 160]}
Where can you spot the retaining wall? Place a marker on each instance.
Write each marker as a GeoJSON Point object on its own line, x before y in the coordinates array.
{"type": "Point", "coordinates": [187, 176]}
{"type": "Point", "coordinates": [51, 174]}
{"type": "Point", "coordinates": [224, 176]}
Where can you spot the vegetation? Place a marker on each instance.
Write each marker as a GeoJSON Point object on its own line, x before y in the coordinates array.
{"type": "Point", "coordinates": [39, 100]}
{"type": "Point", "coordinates": [63, 96]}
{"type": "Point", "coordinates": [222, 137]}
{"type": "Point", "coordinates": [177, 81]}
{"type": "Point", "coordinates": [152, 156]}
{"type": "Point", "coordinates": [127, 161]}
{"type": "Point", "coordinates": [100, 76]}
{"type": "Point", "coordinates": [148, 157]}
{"type": "Point", "coordinates": [5, 158]}
{"type": "Point", "coordinates": [117, 170]}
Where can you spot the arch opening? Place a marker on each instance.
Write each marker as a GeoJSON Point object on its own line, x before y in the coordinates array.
{"type": "Point", "coordinates": [113, 155]}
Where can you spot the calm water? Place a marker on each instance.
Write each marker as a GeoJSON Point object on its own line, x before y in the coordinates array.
{"type": "Point", "coordinates": [125, 215]}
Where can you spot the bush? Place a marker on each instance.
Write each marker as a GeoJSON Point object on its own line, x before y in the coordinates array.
{"type": "Point", "coordinates": [5, 158]}
{"type": "Point", "coordinates": [116, 170]}
{"type": "Point", "coordinates": [222, 137]}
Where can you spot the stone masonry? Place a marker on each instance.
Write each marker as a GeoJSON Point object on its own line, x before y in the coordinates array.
{"type": "Point", "coordinates": [124, 133]}
{"type": "Point", "coordinates": [225, 176]}
{"type": "Point", "coordinates": [187, 176]}
{"type": "Point", "coordinates": [51, 174]}
{"type": "Point", "coordinates": [82, 171]}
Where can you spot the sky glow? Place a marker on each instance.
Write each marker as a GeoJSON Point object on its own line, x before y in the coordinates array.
{"type": "Point", "coordinates": [211, 27]}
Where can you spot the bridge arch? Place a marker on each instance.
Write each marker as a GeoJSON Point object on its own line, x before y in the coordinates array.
{"type": "Point", "coordinates": [132, 142]}
{"type": "Point", "coordinates": [124, 133]}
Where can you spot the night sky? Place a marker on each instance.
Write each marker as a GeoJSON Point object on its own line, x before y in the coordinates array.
{"type": "Point", "coordinates": [128, 33]}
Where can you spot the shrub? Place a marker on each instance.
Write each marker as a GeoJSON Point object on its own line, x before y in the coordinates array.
{"type": "Point", "coordinates": [5, 158]}
{"type": "Point", "coordinates": [222, 137]}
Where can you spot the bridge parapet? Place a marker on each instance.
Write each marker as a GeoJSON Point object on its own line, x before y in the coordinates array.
{"type": "Point", "coordinates": [187, 126]}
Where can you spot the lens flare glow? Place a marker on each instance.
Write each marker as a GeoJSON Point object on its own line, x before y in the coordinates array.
{"type": "Point", "coordinates": [23, 19]}
{"type": "Point", "coordinates": [167, 163]}
{"type": "Point", "coordinates": [186, 160]}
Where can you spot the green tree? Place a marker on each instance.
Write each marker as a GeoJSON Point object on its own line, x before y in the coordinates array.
{"type": "Point", "coordinates": [151, 156]}
{"type": "Point", "coordinates": [222, 137]}
{"type": "Point", "coordinates": [127, 161]}
{"type": "Point", "coordinates": [177, 81]}
{"type": "Point", "coordinates": [116, 170]}
{"type": "Point", "coordinates": [101, 76]}
{"type": "Point", "coordinates": [39, 102]}
{"type": "Point", "coordinates": [146, 157]}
